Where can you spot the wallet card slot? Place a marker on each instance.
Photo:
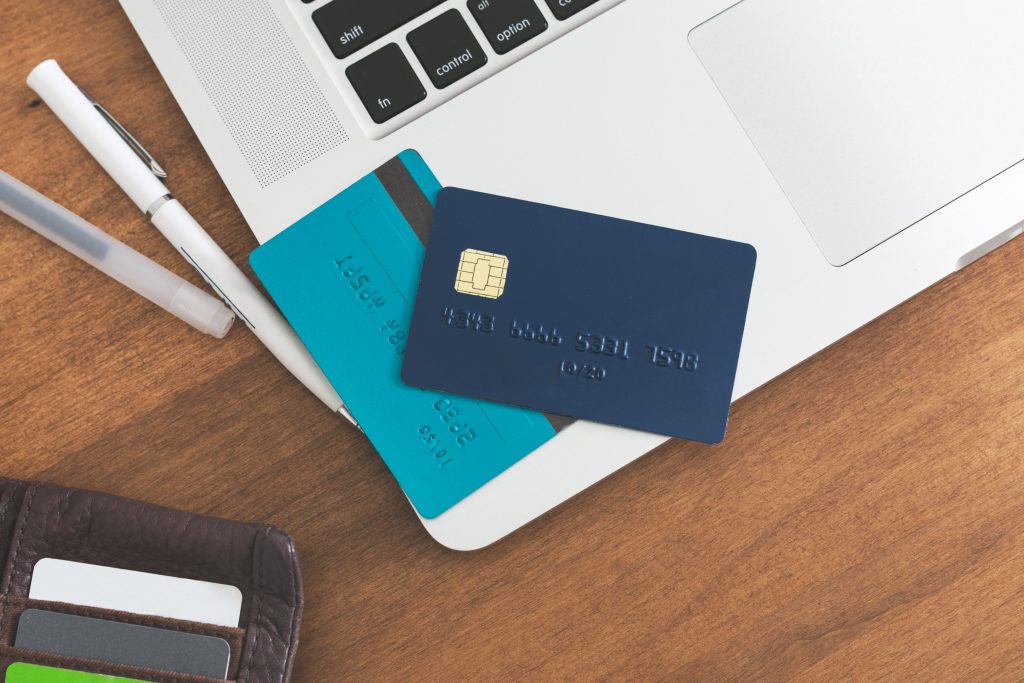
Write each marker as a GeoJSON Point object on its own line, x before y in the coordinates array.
{"type": "Point", "coordinates": [80, 526]}
{"type": "Point", "coordinates": [12, 655]}
{"type": "Point", "coordinates": [15, 606]}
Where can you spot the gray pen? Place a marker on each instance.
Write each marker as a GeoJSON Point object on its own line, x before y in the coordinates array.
{"type": "Point", "coordinates": [116, 259]}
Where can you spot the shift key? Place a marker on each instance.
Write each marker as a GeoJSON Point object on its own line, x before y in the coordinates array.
{"type": "Point", "coordinates": [348, 25]}
{"type": "Point", "coordinates": [508, 23]}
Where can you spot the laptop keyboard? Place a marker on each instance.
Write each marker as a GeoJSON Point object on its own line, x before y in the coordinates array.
{"type": "Point", "coordinates": [377, 41]}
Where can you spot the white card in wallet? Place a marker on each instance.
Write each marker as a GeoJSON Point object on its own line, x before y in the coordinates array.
{"type": "Point", "coordinates": [125, 590]}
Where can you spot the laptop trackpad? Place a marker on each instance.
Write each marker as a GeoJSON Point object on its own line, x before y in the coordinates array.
{"type": "Point", "coordinates": [872, 114]}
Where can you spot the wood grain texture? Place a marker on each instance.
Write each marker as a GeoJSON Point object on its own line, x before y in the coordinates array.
{"type": "Point", "coordinates": [864, 519]}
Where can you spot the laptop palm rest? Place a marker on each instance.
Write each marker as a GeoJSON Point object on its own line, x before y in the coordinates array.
{"type": "Point", "coordinates": [872, 114]}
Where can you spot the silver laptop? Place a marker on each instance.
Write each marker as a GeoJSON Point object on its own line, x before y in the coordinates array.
{"type": "Point", "coordinates": [866, 149]}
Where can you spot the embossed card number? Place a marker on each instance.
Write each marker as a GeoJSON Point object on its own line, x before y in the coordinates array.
{"type": "Point", "coordinates": [586, 342]}
{"type": "Point", "coordinates": [674, 358]}
{"type": "Point", "coordinates": [452, 425]}
{"type": "Point", "coordinates": [603, 345]}
{"type": "Point", "coordinates": [396, 336]}
{"type": "Point", "coordinates": [528, 332]}
{"type": "Point", "coordinates": [468, 320]}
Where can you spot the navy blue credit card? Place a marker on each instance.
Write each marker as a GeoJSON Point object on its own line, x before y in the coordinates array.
{"type": "Point", "coordinates": [581, 315]}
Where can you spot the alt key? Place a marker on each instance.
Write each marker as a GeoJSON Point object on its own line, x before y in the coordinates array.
{"type": "Point", "coordinates": [508, 23]}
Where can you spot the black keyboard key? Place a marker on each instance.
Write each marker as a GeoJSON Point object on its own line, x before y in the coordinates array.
{"type": "Point", "coordinates": [386, 83]}
{"type": "Point", "coordinates": [563, 9]}
{"type": "Point", "coordinates": [508, 23]}
{"type": "Point", "coordinates": [348, 25]}
{"type": "Point", "coordinates": [447, 49]}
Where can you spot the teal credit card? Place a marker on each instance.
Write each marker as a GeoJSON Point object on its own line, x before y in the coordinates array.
{"type": "Point", "coordinates": [345, 276]}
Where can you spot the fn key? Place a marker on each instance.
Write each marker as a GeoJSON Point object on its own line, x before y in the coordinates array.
{"type": "Point", "coordinates": [386, 83]}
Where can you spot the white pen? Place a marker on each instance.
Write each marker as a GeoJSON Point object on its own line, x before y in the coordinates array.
{"type": "Point", "coordinates": [116, 259]}
{"type": "Point", "coordinates": [136, 172]}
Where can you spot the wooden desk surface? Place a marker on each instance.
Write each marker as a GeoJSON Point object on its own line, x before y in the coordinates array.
{"type": "Point", "coordinates": [864, 519]}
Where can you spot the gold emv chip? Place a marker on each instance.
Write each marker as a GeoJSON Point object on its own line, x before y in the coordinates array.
{"type": "Point", "coordinates": [481, 273]}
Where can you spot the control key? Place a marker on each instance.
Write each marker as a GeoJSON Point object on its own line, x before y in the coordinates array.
{"type": "Point", "coordinates": [447, 49]}
{"type": "Point", "coordinates": [563, 9]}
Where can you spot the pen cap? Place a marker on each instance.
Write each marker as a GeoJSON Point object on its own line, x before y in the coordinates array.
{"type": "Point", "coordinates": [116, 259]}
{"type": "Point", "coordinates": [86, 123]}
{"type": "Point", "coordinates": [203, 312]}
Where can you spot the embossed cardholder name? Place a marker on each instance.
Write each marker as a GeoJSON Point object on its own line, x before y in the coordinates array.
{"type": "Point", "coordinates": [345, 278]}
{"type": "Point", "coordinates": [579, 314]}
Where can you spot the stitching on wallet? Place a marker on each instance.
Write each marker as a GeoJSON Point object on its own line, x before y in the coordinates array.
{"type": "Point", "coordinates": [17, 546]}
{"type": "Point", "coordinates": [259, 612]}
{"type": "Point", "coordinates": [292, 635]}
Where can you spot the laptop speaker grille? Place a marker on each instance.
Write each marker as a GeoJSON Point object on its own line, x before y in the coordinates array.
{"type": "Point", "coordinates": [256, 80]}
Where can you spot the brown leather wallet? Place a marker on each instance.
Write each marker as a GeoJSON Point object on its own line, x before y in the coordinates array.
{"type": "Point", "coordinates": [41, 520]}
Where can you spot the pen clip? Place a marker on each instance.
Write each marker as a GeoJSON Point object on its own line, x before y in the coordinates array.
{"type": "Point", "coordinates": [129, 139]}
